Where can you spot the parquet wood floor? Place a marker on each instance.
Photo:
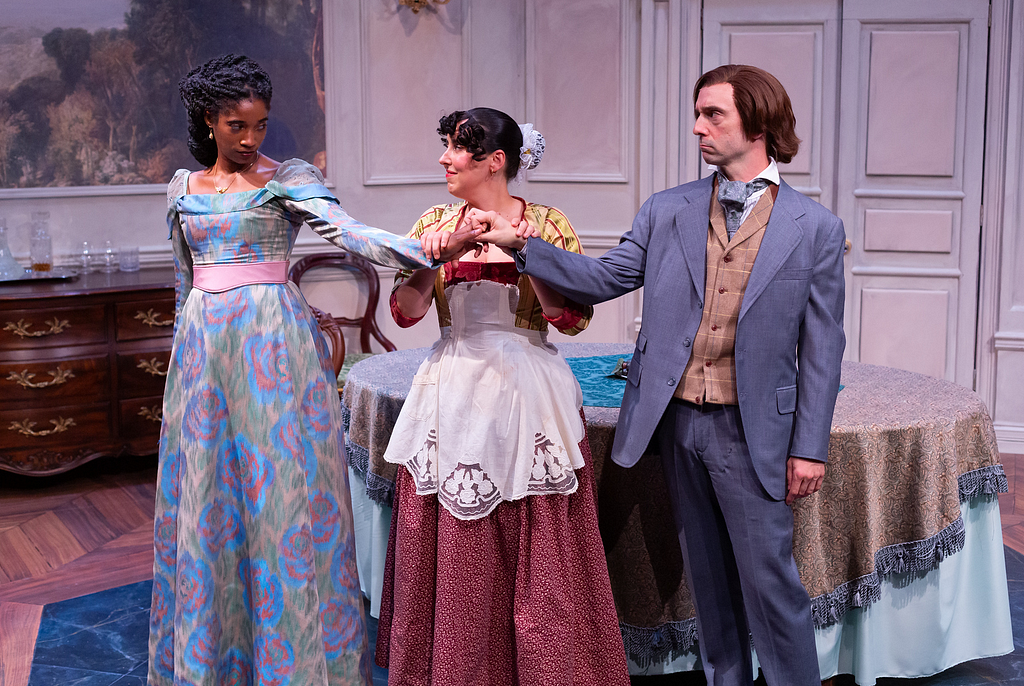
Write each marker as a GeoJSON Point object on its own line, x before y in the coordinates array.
{"type": "Point", "coordinates": [66, 536]}
{"type": "Point", "coordinates": [92, 529]}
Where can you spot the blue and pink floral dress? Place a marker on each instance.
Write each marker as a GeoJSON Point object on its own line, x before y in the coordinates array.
{"type": "Point", "coordinates": [254, 573]}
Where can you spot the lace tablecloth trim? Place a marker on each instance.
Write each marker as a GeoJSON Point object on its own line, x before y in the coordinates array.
{"type": "Point", "coordinates": [988, 480]}
{"type": "Point", "coordinates": [378, 489]}
{"type": "Point", "coordinates": [910, 557]}
{"type": "Point", "coordinates": [649, 645]}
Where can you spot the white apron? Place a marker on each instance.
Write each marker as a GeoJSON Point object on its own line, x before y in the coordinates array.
{"type": "Point", "coordinates": [494, 410]}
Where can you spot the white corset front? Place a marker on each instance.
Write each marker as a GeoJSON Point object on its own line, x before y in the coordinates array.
{"type": "Point", "coordinates": [494, 411]}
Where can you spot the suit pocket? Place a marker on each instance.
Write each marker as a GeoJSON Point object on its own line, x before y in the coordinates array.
{"type": "Point", "coordinates": [786, 398]}
{"type": "Point", "coordinates": [793, 274]}
{"type": "Point", "coordinates": [636, 369]}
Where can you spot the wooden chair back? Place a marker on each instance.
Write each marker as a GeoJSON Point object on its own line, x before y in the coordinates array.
{"type": "Point", "coordinates": [331, 324]}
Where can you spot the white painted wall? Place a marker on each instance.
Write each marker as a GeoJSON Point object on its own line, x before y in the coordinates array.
{"type": "Point", "coordinates": [1000, 353]}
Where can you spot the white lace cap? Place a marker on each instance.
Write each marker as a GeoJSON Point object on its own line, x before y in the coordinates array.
{"type": "Point", "coordinates": [531, 152]}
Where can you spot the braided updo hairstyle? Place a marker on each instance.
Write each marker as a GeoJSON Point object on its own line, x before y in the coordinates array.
{"type": "Point", "coordinates": [483, 131]}
{"type": "Point", "coordinates": [212, 88]}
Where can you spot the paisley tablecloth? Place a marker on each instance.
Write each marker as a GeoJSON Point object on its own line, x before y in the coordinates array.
{"type": "Point", "coordinates": [909, 456]}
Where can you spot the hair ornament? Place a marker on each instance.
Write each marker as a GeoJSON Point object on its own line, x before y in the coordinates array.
{"type": "Point", "coordinates": [532, 151]}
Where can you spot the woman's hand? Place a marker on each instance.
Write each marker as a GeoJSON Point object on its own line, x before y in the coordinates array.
{"type": "Point", "coordinates": [491, 227]}
{"type": "Point", "coordinates": [450, 245]}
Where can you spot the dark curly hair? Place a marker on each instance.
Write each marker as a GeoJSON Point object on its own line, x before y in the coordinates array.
{"type": "Point", "coordinates": [483, 131]}
{"type": "Point", "coordinates": [212, 88]}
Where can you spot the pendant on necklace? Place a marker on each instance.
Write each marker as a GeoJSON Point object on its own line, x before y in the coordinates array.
{"type": "Point", "coordinates": [233, 177]}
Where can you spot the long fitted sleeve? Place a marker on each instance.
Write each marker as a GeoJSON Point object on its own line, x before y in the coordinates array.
{"type": "Point", "coordinates": [301, 190]}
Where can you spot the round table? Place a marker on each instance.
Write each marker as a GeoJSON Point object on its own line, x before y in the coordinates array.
{"type": "Point", "coordinates": [906, 513]}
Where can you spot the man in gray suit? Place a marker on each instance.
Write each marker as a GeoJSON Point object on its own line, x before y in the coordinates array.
{"type": "Point", "coordinates": [736, 368]}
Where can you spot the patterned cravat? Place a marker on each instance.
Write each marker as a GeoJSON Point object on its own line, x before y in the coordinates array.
{"type": "Point", "coordinates": [732, 195]}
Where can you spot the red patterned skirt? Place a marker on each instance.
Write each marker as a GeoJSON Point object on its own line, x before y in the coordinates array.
{"type": "Point", "coordinates": [519, 598]}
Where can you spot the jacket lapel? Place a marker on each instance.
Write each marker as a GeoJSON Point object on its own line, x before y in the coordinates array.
{"type": "Point", "coordinates": [692, 232]}
{"type": "Point", "coordinates": [781, 237]}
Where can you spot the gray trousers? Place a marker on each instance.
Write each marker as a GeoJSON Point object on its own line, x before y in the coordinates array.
{"type": "Point", "coordinates": [737, 545]}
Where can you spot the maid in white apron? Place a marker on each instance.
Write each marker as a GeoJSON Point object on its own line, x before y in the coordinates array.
{"type": "Point", "coordinates": [495, 572]}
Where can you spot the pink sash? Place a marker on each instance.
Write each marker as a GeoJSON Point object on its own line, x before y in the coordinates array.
{"type": "Point", "coordinates": [217, 278]}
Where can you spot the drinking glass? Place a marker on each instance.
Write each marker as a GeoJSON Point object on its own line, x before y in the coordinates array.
{"type": "Point", "coordinates": [128, 258]}
{"type": "Point", "coordinates": [85, 256]}
{"type": "Point", "coordinates": [108, 258]}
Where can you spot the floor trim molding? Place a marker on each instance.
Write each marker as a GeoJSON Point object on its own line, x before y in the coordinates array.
{"type": "Point", "coordinates": [1011, 438]}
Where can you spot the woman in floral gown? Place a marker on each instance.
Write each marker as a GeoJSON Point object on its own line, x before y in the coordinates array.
{"type": "Point", "coordinates": [254, 572]}
{"type": "Point", "coordinates": [496, 574]}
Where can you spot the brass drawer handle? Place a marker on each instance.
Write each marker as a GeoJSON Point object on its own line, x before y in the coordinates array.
{"type": "Point", "coordinates": [153, 414]}
{"type": "Point", "coordinates": [150, 318]}
{"type": "Point", "coordinates": [24, 427]}
{"type": "Point", "coordinates": [152, 367]}
{"type": "Point", "coordinates": [21, 328]}
{"type": "Point", "coordinates": [24, 379]}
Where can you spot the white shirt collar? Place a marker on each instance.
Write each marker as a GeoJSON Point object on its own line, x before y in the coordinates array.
{"type": "Point", "coordinates": [771, 172]}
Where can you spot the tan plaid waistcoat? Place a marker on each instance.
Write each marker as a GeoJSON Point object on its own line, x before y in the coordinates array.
{"type": "Point", "coordinates": [710, 375]}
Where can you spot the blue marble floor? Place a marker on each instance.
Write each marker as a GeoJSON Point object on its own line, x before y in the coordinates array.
{"type": "Point", "coordinates": [94, 640]}
{"type": "Point", "coordinates": [102, 639]}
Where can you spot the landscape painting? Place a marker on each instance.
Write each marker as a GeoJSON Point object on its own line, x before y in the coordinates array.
{"type": "Point", "coordinates": [89, 90]}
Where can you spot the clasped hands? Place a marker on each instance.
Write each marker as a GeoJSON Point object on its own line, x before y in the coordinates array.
{"type": "Point", "coordinates": [477, 231]}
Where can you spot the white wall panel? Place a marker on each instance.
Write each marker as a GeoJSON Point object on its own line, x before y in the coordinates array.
{"type": "Point", "coordinates": [908, 230]}
{"type": "Point", "coordinates": [895, 322]}
{"type": "Point", "coordinates": [586, 114]}
{"type": "Point", "coordinates": [913, 78]}
{"type": "Point", "coordinates": [414, 68]}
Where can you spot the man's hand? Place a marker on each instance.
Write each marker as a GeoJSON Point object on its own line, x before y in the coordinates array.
{"type": "Point", "coordinates": [803, 478]}
{"type": "Point", "coordinates": [490, 227]}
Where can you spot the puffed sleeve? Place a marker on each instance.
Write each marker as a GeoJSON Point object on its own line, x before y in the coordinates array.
{"type": "Point", "coordinates": [556, 229]}
{"type": "Point", "coordinates": [182, 254]}
{"type": "Point", "coordinates": [300, 188]}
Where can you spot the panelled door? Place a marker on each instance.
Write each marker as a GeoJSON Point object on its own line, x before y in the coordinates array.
{"type": "Point", "coordinates": [890, 103]}
{"type": "Point", "coordinates": [911, 143]}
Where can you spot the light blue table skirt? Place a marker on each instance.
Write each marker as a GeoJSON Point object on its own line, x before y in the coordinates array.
{"type": "Point", "coordinates": [372, 523]}
{"type": "Point", "coordinates": [922, 625]}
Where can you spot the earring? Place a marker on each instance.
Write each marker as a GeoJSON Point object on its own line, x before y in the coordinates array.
{"type": "Point", "coordinates": [211, 134]}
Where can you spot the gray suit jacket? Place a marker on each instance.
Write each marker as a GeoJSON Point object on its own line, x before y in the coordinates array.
{"type": "Point", "coordinates": [789, 337]}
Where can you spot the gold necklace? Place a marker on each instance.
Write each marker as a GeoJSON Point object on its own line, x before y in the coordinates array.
{"type": "Point", "coordinates": [234, 176]}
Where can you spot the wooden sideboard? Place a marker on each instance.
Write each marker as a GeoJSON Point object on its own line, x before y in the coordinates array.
{"type": "Point", "coordinates": [82, 367]}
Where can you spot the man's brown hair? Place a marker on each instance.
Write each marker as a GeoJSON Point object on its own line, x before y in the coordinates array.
{"type": "Point", "coordinates": [763, 106]}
